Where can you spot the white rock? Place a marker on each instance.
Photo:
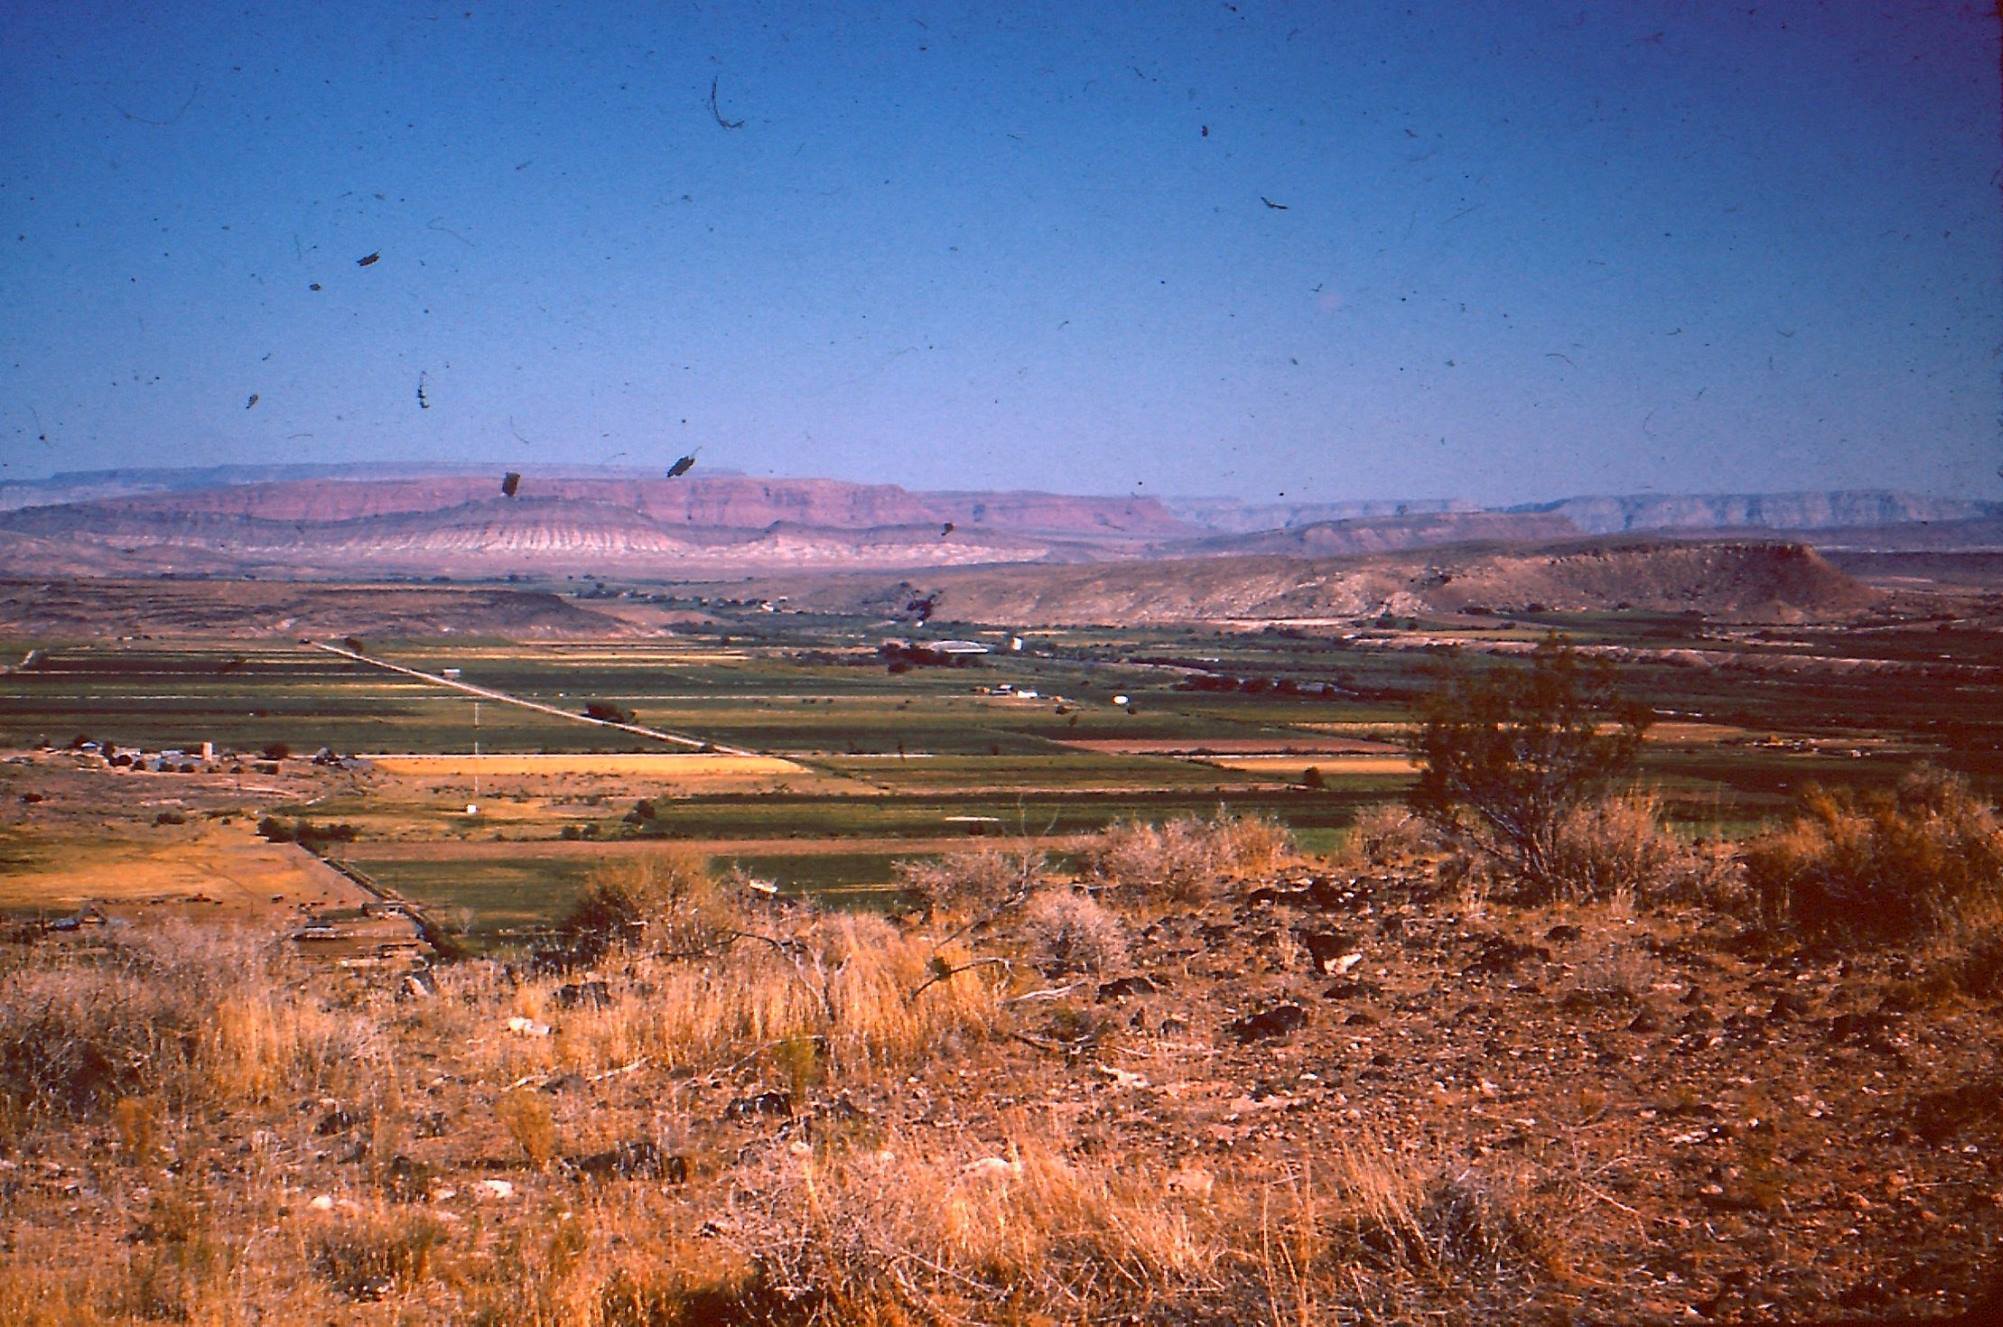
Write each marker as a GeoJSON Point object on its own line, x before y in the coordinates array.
{"type": "Point", "coordinates": [992, 1168]}
{"type": "Point", "coordinates": [499, 1190]}
{"type": "Point", "coordinates": [527, 1027]}
{"type": "Point", "coordinates": [1346, 962]}
{"type": "Point", "coordinates": [324, 1203]}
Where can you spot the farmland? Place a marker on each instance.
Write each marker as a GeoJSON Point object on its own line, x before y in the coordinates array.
{"type": "Point", "coordinates": [854, 765]}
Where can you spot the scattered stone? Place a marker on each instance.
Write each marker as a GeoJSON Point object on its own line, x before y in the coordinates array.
{"type": "Point", "coordinates": [408, 1180]}
{"type": "Point", "coordinates": [1121, 987]}
{"type": "Point", "coordinates": [583, 995]}
{"type": "Point", "coordinates": [635, 1160]}
{"type": "Point", "coordinates": [1279, 1021]}
{"type": "Point", "coordinates": [337, 1120]}
{"type": "Point", "coordinates": [1121, 1078]}
{"type": "Point", "coordinates": [1788, 1006]}
{"type": "Point", "coordinates": [774, 1102]}
{"type": "Point", "coordinates": [1645, 1021]}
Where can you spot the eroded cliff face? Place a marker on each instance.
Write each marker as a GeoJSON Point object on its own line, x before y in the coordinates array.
{"type": "Point", "coordinates": [727, 501]}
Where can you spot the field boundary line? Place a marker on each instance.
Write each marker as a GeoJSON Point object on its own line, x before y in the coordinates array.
{"type": "Point", "coordinates": [488, 693]}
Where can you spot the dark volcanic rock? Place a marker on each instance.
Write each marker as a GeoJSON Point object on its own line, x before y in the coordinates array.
{"type": "Point", "coordinates": [1121, 987]}
{"type": "Point", "coordinates": [583, 995]}
{"type": "Point", "coordinates": [1279, 1021]}
{"type": "Point", "coordinates": [1325, 947]}
{"type": "Point", "coordinates": [775, 1102]}
{"type": "Point", "coordinates": [635, 1160]}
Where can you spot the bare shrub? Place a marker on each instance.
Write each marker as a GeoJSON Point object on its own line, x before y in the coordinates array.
{"type": "Point", "coordinates": [1923, 859]}
{"type": "Point", "coordinates": [1073, 932]}
{"type": "Point", "coordinates": [1388, 836]}
{"type": "Point", "coordinates": [666, 901]}
{"type": "Point", "coordinates": [1504, 756]}
{"type": "Point", "coordinates": [1181, 861]}
{"type": "Point", "coordinates": [979, 883]}
{"type": "Point", "coordinates": [1611, 846]}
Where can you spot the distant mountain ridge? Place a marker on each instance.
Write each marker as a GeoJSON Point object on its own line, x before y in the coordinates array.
{"type": "Point", "coordinates": [1812, 510]}
{"type": "Point", "coordinates": [318, 521]}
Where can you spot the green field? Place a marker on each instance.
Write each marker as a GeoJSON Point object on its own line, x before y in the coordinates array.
{"type": "Point", "coordinates": [888, 758]}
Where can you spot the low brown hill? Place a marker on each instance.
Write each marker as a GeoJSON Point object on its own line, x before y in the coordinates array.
{"type": "Point", "coordinates": [1740, 580]}
{"type": "Point", "coordinates": [85, 609]}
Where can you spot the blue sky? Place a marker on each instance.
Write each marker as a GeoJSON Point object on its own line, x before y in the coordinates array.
{"type": "Point", "coordinates": [1524, 251]}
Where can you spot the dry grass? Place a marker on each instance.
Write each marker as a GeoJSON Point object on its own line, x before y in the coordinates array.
{"type": "Point", "coordinates": [665, 901]}
{"type": "Point", "coordinates": [1612, 846]}
{"type": "Point", "coordinates": [1182, 861]}
{"type": "Point", "coordinates": [848, 987]}
{"type": "Point", "coordinates": [1067, 931]}
{"type": "Point", "coordinates": [979, 883]}
{"type": "Point", "coordinates": [917, 1230]}
{"type": "Point", "coordinates": [195, 1016]}
{"type": "Point", "coordinates": [1388, 835]}
{"type": "Point", "coordinates": [1922, 860]}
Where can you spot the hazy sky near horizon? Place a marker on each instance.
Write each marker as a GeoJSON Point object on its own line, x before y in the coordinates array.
{"type": "Point", "coordinates": [1503, 251]}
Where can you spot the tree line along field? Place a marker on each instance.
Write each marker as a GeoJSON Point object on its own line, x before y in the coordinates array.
{"type": "Point", "coordinates": [879, 758]}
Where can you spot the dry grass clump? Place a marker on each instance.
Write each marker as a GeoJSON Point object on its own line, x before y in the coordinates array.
{"type": "Point", "coordinates": [1924, 859]}
{"type": "Point", "coordinates": [373, 1254]}
{"type": "Point", "coordinates": [845, 986]}
{"type": "Point", "coordinates": [1612, 846]}
{"type": "Point", "coordinates": [979, 883]}
{"type": "Point", "coordinates": [1068, 931]}
{"type": "Point", "coordinates": [666, 901]}
{"type": "Point", "coordinates": [1181, 861]}
{"type": "Point", "coordinates": [919, 1232]}
{"type": "Point", "coordinates": [1388, 835]}
{"type": "Point", "coordinates": [1396, 1236]}
{"type": "Point", "coordinates": [1620, 973]}
{"type": "Point", "coordinates": [189, 1016]}
{"type": "Point", "coordinates": [527, 1118]}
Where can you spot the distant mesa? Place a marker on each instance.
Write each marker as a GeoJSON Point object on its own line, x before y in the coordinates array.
{"type": "Point", "coordinates": [330, 521]}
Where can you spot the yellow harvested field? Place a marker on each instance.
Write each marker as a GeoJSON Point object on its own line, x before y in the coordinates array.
{"type": "Point", "coordinates": [659, 765]}
{"type": "Point", "coordinates": [1696, 733]}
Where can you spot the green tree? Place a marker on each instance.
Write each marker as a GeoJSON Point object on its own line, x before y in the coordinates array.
{"type": "Point", "coordinates": [1505, 753]}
